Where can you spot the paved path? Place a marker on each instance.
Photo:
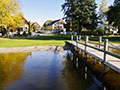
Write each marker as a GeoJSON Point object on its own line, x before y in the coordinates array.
{"type": "Point", "coordinates": [112, 62]}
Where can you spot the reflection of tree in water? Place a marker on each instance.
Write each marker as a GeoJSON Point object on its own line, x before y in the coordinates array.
{"type": "Point", "coordinates": [11, 67]}
{"type": "Point", "coordinates": [75, 77]}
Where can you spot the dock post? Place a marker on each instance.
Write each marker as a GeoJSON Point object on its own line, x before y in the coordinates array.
{"type": "Point", "coordinates": [100, 41]}
{"type": "Point", "coordinates": [77, 63]}
{"type": "Point", "coordinates": [86, 75]}
{"type": "Point", "coordinates": [71, 56]}
{"type": "Point", "coordinates": [86, 43]}
{"type": "Point", "coordinates": [80, 37]}
{"type": "Point", "coordinates": [105, 55]}
{"type": "Point", "coordinates": [72, 38]}
{"type": "Point", "coordinates": [77, 41]}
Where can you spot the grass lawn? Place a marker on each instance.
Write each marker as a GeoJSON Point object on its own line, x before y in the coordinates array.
{"type": "Point", "coordinates": [49, 40]}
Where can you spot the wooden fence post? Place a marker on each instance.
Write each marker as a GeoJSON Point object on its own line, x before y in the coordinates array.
{"type": "Point", "coordinates": [100, 41]}
{"type": "Point", "coordinates": [86, 43]}
{"type": "Point", "coordinates": [105, 55]}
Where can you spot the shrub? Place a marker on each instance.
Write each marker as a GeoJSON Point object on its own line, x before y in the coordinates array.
{"type": "Point", "coordinates": [100, 31]}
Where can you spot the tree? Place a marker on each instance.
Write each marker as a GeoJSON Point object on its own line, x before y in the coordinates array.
{"type": "Point", "coordinates": [116, 2]}
{"type": "Point", "coordinates": [47, 22]}
{"type": "Point", "coordinates": [45, 27]}
{"type": "Point", "coordinates": [80, 14]}
{"type": "Point", "coordinates": [18, 19]}
{"type": "Point", "coordinates": [100, 31]}
{"type": "Point", "coordinates": [35, 27]}
{"type": "Point", "coordinates": [30, 29]}
{"type": "Point", "coordinates": [68, 8]}
{"type": "Point", "coordinates": [113, 15]}
{"type": "Point", "coordinates": [9, 10]}
{"type": "Point", "coordinates": [102, 10]}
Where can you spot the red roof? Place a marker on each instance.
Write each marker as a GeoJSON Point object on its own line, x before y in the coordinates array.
{"type": "Point", "coordinates": [25, 20]}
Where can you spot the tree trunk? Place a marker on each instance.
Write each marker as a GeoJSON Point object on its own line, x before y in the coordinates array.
{"type": "Point", "coordinates": [79, 29]}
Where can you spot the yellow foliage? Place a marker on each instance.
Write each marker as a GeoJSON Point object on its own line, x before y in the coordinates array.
{"type": "Point", "coordinates": [11, 67]}
{"type": "Point", "coordinates": [10, 14]}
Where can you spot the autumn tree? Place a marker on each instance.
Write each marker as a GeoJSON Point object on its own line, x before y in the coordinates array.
{"type": "Point", "coordinates": [18, 21]}
{"type": "Point", "coordinates": [10, 14]}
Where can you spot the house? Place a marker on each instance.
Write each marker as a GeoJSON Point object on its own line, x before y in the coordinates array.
{"type": "Point", "coordinates": [56, 25]}
{"type": "Point", "coordinates": [25, 26]}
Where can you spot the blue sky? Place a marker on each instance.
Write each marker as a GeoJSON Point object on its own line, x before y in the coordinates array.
{"type": "Point", "coordinates": [42, 10]}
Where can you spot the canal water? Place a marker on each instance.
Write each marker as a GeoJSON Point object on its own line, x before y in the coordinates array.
{"type": "Point", "coordinates": [45, 70]}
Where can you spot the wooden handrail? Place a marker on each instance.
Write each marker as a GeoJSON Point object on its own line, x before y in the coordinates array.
{"type": "Point", "coordinates": [109, 53]}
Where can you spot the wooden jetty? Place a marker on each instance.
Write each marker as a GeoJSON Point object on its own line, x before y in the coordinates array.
{"type": "Point", "coordinates": [100, 53]}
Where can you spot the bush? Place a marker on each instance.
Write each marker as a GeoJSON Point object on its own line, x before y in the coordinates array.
{"type": "Point", "coordinates": [94, 32]}
{"type": "Point", "coordinates": [100, 31]}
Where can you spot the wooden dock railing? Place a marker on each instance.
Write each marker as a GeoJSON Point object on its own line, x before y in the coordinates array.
{"type": "Point", "coordinates": [103, 48]}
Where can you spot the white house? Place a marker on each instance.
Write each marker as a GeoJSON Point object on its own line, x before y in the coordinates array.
{"type": "Point", "coordinates": [57, 24]}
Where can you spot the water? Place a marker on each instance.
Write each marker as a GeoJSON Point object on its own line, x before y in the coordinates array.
{"type": "Point", "coordinates": [48, 70]}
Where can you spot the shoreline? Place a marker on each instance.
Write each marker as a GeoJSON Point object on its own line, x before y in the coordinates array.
{"type": "Point", "coordinates": [33, 49]}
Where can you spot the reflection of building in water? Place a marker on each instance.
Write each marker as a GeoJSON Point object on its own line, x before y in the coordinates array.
{"type": "Point", "coordinates": [11, 67]}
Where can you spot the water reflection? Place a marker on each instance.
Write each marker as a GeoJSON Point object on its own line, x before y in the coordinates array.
{"type": "Point", "coordinates": [47, 70]}
{"type": "Point", "coordinates": [11, 68]}
{"type": "Point", "coordinates": [78, 76]}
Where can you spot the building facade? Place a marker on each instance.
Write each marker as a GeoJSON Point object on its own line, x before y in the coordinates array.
{"type": "Point", "coordinates": [56, 25]}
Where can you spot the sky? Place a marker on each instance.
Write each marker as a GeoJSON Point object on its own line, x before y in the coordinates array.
{"type": "Point", "coordinates": [43, 10]}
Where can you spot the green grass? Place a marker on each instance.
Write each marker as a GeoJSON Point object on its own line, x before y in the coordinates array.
{"type": "Point", "coordinates": [49, 40]}
{"type": "Point", "coordinates": [112, 39]}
